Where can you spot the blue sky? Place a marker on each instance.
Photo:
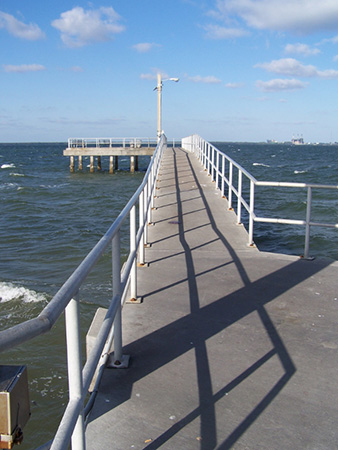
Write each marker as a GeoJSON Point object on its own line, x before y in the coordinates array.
{"type": "Point", "coordinates": [249, 70]}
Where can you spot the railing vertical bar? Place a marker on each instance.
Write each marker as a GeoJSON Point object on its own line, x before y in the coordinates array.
{"type": "Point", "coordinates": [212, 171]}
{"type": "Point", "coordinates": [217, 168]}
{"type": "Point", "coordinates": [133, 273]}
{"type": "Point", "coordinates": [230, 184]}
{"type": "Point", "coordinates": [209, 158]}
{"type": "Point", "coordinates": [153, 172]}
{"type": "Point", "coordinates": [141, 222]}
{"type": "Point", "coordinates": [116, 276]}
{"type": "Point", "coordinates": [252, 208]}
{"type": "Point", "coordinates": [145, 215]}
{"type": "Point", "coordinates": [74, 363]}
{"type": "Point", "coordinates": [308, 220]}
{"type": "Point", "coordinates": [239, 198]}
{"type": "Point", "coordinates": [223, 175]}
{"type": "Point", "coordinates": [203, 146]}
{"type": "Point", "coordinates": [149, 191]}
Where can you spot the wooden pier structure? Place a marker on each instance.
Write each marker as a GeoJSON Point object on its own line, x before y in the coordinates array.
{"type": "Point", "coordinates": [112, 148]}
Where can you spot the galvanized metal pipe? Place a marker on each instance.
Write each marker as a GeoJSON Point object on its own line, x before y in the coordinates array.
{"type": "Point", "coordinates": [230, 184]}
{"type": "Point", "coordinates": [116, 276]}
{"type": "Point", "coordinates": [308, 220]}
{"type": "Point", "coordinates": [223, 175]}
{"type": "Point", "coordinates": [239, 198]}
{"type": "Point", "coordinates": [133, 272]}
{"type": "Point", "coordinates": [251, 212]}
{"type": "Point", "coordinates": [141, 222]}
{"type": "Point", "coordinates": [217, 170]}
{"type": "Point", "coordinates": [74, 364]}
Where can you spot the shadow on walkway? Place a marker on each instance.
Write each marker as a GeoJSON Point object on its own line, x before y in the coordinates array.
{"type": "Point", "coordinates": [162, 346]}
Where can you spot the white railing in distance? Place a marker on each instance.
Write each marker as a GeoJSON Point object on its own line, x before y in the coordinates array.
{"type": "Point", "coordinates": [214, 162]}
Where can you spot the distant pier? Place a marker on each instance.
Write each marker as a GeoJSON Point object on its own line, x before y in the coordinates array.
{"type": "Point", "coordinates": [110, 147]}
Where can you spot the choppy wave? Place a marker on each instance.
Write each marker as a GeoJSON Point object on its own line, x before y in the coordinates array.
{"type": "Point", "coordinates": [7, 166]}
{"type": "Point", "coordinates": [260, 164]}
{"type": "Point", "coordinates": [13, 174]}
{"type": "Point", "coordinates": [8, 185]}
{"type": "Point", "coordinates": [9, 292]}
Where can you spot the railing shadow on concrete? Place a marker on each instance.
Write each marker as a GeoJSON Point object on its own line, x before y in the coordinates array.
{"type": "Point", "coordinates": [67, 300]}
{"type": "Point", "coordinates": [176, 338]}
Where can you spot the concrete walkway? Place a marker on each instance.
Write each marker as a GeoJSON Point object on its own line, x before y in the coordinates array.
{"type": "Point", "coordinates": [231, 347]}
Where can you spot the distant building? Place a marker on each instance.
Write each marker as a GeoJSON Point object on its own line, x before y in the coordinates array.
{"type": "Point", "coordinates": [297, 141]}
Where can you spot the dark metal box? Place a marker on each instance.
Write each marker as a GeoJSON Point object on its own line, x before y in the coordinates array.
{"type": "Point", "coordinates": [14, 404]}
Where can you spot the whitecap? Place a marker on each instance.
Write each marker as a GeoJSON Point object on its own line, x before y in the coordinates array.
{"type": "Point", "coordinates": [8, 292]}
{"type": "Point", "coordinates": [7, 166]}
{"type": "Point", "coordinates": [260, 164]}
{"type": "Point", "coordinates": [8, 185]}
{"type": "Point", "coordinates": [13, 174]}
{"type": "Point", "coordinates": [299, 171]}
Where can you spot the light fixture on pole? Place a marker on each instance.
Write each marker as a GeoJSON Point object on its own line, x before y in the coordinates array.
{"type": "Point", "coordinates": [159, 102]}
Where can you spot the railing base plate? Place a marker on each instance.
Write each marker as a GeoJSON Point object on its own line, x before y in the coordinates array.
{"type": "Point", "coordinates": [135, 301]}
{"type": "Point", "coordinates": [113, 364]}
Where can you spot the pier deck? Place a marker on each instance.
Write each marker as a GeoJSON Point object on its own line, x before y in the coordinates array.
{"type": "Point", "coordinates": [231, 347]}
{"type": "Point", "coordinates": [82, 148]}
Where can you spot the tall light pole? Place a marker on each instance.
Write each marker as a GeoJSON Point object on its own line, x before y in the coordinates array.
{"type": "Point", "coordinates": [159, 102]}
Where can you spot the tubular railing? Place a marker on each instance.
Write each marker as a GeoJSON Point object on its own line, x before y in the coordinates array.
{"type": "Point", "coordinates": [133, 142]}
{"type": "Point", "coordinates": [66, 300]}
{"type": "Point", "coordinates": [215, 163]}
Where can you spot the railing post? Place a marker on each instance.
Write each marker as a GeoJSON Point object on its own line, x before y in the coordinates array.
{"type": "Point", "coordinates": [148, 204]}
{"type": "Point", "coordinates": [223, 175]}
{"type": "Point", "coordinates": [205, 150]}
{"type": "Point", "coordinates": [217, 169]}
{"type": "Point", "coordinates": [212, 171]}
{"type": "Point", "coordinates": [152, 184]}
{"type": "Point", "coordinates": [252, 208]}
{"type": "Point", "coordinates": [308, 220]}
{"type": "Point", "coordinates": [230, 184]}
{"type": "Point", "coordinates": [116, 275]}
{"type": "Point", "coordinates": [239, 198]}
{"type": "Point", "coordinates": [141, 222]}
{"type": "Point", "coordinates": [209, 158]}
{"type": "Point", "coordinates": [133, 273]}
{"type": "Point", "coordinates": [74, 363]}
{"type": "Point", "coordinates": [145, 214]}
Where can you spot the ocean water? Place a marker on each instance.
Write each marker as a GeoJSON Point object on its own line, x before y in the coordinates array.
{"type": "Point", "coordinates": [50, 220]}
{"type": "Point", "coordinates": [315, 164]}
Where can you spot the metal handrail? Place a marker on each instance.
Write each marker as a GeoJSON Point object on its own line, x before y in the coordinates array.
{"type": "Point", "coordinates": [133, 142]}
{"type": "Point", "coordinates": [67, 300]}
{"type": "Point", "coordinates": [210, 158]}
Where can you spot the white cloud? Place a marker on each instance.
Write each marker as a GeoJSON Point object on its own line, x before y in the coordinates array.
{"type": "Point", "coordinates": [79, 27]}
{"type": "Point", "coordinates": [76, 69]}
{"type": "Point", "coordinates": [277, 85]}
{"type": "Point", "coordinates": [234, 85]}
{"type": "Point", "coordinates": [210, 79]}
{"type": "Point", "coordinates": [148, 76]}
{"type": "Point", "coordinates": [144, 47]}
{"type": "Point", "coordinates": [24, 68]}
{"type": "Point", "coordinates": [218, 32]}
{"type": "Point", "coordinates": [333, 40]}
{"type": "Point", "coordinates": [153, 75]}
{"type": "Point", "coordinates": [19, 29]}
{"type": "Point", "coordinates": [301, 49]}
{"type": "Point", "coordinates": [301, 16]}
{"type": "Point", "coordinates": [290, 66]}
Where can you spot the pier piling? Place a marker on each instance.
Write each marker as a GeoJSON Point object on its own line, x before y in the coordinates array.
{"type": "Point", "coordinates": [81, 148]}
